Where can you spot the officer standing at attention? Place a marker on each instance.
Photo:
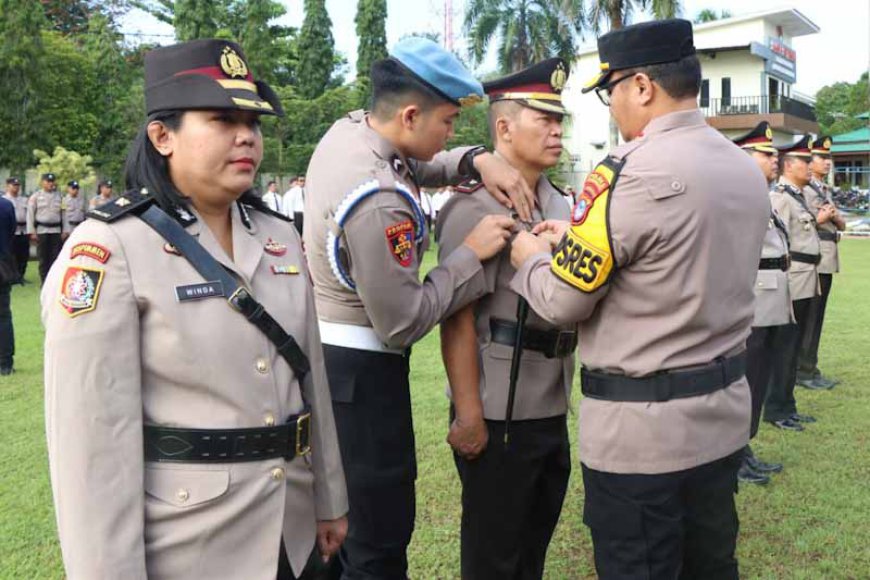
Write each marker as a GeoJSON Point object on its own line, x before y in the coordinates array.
{"type": "Point", "coordinates": [511, 494]}
{"type": "Point", "coordinates": [365, 236]}
{"type": "Point", "coordinates": [788, 201]}
{"type": "Point", "coordinates": [20, 241]}
{"type": "Point", "coordinates": [190, 430]}
{"type": "Point", "coordinates": [73, 207]}
{"type": "Point", "coordinates": [829, 223]}
{"type": "Point", "coordinates": [45, 223]}
{"type": "Point", "coordinates": [658, 266]}
{"type": "Point", "coordinates": [104, 195]}
{"type": "Point", "coordinates": [766, 345]}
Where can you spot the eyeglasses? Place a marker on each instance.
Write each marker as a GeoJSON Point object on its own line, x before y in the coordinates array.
{"type": "Point", "coordinates": [604, 92]}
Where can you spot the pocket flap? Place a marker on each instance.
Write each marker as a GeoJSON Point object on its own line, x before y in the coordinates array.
{"type": "Point", "coordinates": [766, 280]}
{"type": "Point", "coordinates": [663, 186]}
{"type": "Point", "coordinates": [185, 487]}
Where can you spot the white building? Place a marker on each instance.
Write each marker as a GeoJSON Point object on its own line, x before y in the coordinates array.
{"type": "Point", "coordinates": [748, 69]}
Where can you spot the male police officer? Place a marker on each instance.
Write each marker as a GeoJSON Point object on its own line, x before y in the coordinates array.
{"type": "Point", "coordinates": [765, 347]}
{"type": "Point", "coordinates": [45, 223]}
{"type": "Point", "coordinates": [658, 266]}
{"type": "Point", "coordinates": [365, 236]}
{"type": "Point", "coordinates": [73, 207]}
{"type": "Point", "coordinates": [828, 223]}
{"type": "Point", "coordinates": [788, 201]}
{"type": "Point", "coordinates": [511, 494]}
{"type": "Point", "coordinates": [104, 195]}
{"type": "Point", "coordinates": [20, 242]}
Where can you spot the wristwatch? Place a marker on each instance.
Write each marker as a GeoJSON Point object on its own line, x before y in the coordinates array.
{"type": "Point", "coordinates": [467, 165]}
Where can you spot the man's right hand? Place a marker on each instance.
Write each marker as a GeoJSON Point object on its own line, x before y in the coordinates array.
{"type": "Point", "coordinates": [34, 238]}
{"type": "Point", "coordinates": [489, 236]}
{"type": "Point", "coordinates": [468, 437]}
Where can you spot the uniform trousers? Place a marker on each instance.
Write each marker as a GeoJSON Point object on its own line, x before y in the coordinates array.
{"type": "Point", "coordinates": [512, 498]}
{"type": "Point", "coordinates": [48, 250]}
{"type": "Point", "coordinates": [315, 569]}
{"type": "Point", "coordinates": [766, 364]}
{"type": "Point", "coordinates": [371, 400]}
{"type": "Point", "coordinates": [7, 333]}
{"type": "Point", "coordinates": [670, 525]}
{"type": "Point", "coordinates": [299, 221]}
{"type": "Point", "coordinates": [21, 253]}
{"type": "Point", "coordinates": [780, 403]}
{"type": "Point", "coordinates": [808, 360]}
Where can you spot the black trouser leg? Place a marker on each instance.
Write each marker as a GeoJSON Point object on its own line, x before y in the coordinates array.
{"type": "Point", "coordinates": [671, 525]}
{"type": "Point", "coordinates": [7, 333]}
{"type": "Point", "coordinates": [21, 252]}
{"type": "Point", "coordinates": [298, 221]}
{"type": "Point", "coordinates": [48, 251]}
{"type": "Point", "coordinates": [766, 362]}
{"type": "Point", "coordinates": [314, 568]}
{"type": "Point", "coordinates": [511, 499]}
{"type": "Point", "coordinates": [808, 361]}
{"type": "Point", "coordinates": [780, 402]}
{"type": "Point", "coordinates": [372, 405]}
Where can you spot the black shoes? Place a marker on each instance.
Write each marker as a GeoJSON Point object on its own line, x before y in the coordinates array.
{"type": "Point", "coordinates": [787, 424]}
{"type": "Point", "coordinates": [761, 467]}
{"type": "Point", "coordinates": [818, 384]}
{"type": "Point", "coordinates": [798, 418]}
{"type": "Point", "coordinates": [6, 371]}
{"type": "Point", "coordinates": [747, 475]}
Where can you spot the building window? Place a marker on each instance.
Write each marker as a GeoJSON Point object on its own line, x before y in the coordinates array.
{"type": "Point", "coordinates": [726, 91]}
{"type": "Point", "coordinates": [705, 93]}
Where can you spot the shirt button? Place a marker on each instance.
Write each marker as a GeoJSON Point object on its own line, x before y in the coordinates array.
{"type": "Point", "coordinates": [183, 495]}
{"type": "Point", "coordinates": [277, 474]}
{"type": "Point", "coordinates": [262, 366]}
{"type": "Point", "coordinates": [269, 420]}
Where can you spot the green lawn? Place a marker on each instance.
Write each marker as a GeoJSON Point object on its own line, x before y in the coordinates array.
{"type": "Point", "coordinates": [811, 522]}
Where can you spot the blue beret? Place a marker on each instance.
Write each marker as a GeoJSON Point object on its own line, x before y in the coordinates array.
{"type": "Point", "coordinates": [439, 69]}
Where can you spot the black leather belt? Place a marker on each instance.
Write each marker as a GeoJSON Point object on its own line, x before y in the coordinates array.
{"type": "Point", "coordinates": [664, 386]}
{"type": "Point", "coordinates": [780, 263]}
{"type": "Point", "coordinates": [170, 444]}
{"type": "Point", "coordinates": [21, 223]}
{"type": "Point", "coordinates": [805, 258]}
{"type": "Point", "coordinates": [72, 223]}
{"type": "Point", "coordinates": [827, 236]}
{"type": "Point", "coordinates": [553, 343]}
{"type": "Point", "coordinates": [48, 224]}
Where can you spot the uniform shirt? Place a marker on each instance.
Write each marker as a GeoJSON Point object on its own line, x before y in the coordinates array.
{"type": "Point", "coordinates": [294, 201]}
{"type": "Point", "coordinates": [273, 200]}
{"type": "Point", "coordinates": [772, 301]}
{"type": "Point", "coordinates": [44, 213]}
{"type": "Point", "coordinates": [687, 218]}
{"type": "Point", "coordinates": [544, 384]}
{"type": "Point", "coordinates": [20, 204]}
{"type": "Point", "coordinates": [141, 356]}
{"type": "Point", "coordinates": [7, 227]}
{"type": "Point", "coordinates": [788, 201]}
{"type": "Point", "coordinates": [817, 194]}
{"type": "Point", "coordinates": [389, 295]}
{"type": "Point", "coordinates": [73, 212]}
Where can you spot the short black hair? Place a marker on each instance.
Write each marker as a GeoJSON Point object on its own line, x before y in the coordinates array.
{"type": "Point", "coordinates": [394, 86]}
{"type": "Point", "coordinates": [498, 109]}
{"type": "Point", "coordinates": [680, 79]}
{"type": "Point", "coordinates": [147, 169]}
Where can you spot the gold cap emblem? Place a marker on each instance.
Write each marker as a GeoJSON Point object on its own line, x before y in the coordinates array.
{"type": "Point", "coordinates": [811, 143]}
{"type": "Point", "coordinates": [558, 78]}
{"type": "Point", "coordinates": [232, 64]}
{"type": "Point", "coordinates": [471, 99]}
{"type": "Point", "coordinates": [768, 133]}
{"type": "Point", "coordinates": [827, 144]}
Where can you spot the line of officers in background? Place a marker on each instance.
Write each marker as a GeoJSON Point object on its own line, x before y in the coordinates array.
{"type": "Point", "coordinates": [795, 275]}
{"type": "Point", "coordinates": [46, 218]}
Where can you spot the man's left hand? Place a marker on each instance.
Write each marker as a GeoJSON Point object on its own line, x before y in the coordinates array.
{"type": "Point", "coordinates": [506, 184]}
{"type": "Point", "coordinates": [524, 246]}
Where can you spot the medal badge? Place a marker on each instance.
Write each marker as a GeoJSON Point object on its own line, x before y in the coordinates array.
{"type": "Point", "coordinates": [285, 269]}
{"type": "Point", "coordinates": [274, 248]}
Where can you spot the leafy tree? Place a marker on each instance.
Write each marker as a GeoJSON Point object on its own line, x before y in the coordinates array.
{"type": "Point", "coordinates": [260, 39]}
{"type": "Point", "coordinates": [528, 30]}
{"type": "Point", "coordinates": [66, 165]}
{"type": "Point", "coordinates": [191, 18]}
{"type": "Point", "coordinates": [72, 17]}
{"type": "Point", "coordinates": [371, 17]}
{"type": "Point", "coordinates": [708, 15]}
{"type": "Point", "coordinates": [472, 127]}
{"type": "Point", "coordinates": [316, 54]}
{"type": "Point", "coordinates": [837, 106]}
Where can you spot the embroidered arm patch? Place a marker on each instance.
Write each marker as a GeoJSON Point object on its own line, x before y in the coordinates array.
{"type": "Point", "coordinates": [584, 257]}
{"type": "Point", "coordinates": [400, 240]}
{"type": "Point", "coordinates": [80, 290]}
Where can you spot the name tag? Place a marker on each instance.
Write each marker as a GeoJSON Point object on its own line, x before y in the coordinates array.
{"type": "Point", "coordinates": [198, 291]}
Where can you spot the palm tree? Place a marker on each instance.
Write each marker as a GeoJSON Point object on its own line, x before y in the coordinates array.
{"type": "Point", "coordinates": [527, 30]}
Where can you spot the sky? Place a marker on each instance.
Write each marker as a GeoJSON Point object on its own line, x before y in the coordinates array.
{"type": "Point", "coordinates": [839, 52]}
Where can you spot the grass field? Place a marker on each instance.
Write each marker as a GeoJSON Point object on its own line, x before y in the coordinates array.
{"type": "Point", "coordinates": [812, 521]}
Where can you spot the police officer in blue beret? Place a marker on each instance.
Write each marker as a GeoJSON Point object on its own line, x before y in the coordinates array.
{"type": "Point", "coordinates": [365, 235]}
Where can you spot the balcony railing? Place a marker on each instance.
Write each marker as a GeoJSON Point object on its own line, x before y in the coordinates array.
{"type": "Point", "coordinates": [758, 106]}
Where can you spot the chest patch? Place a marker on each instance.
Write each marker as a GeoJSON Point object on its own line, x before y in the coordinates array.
{"type": "Point", "coordinates": [80, 290]}
{"type": "Point", "coordinates": [400, 240]}
{"type": "Point", "coordinates": [198, 291]}
{"type": "Point", "coordinates": [584, 257]}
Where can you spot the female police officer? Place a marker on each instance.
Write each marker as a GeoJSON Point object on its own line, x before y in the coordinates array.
{"type": "Point", "coordinates": [202, 350]}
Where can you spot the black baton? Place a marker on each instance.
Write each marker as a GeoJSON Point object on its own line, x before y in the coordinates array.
{"type": "Point", "coordinates": [522, 314]}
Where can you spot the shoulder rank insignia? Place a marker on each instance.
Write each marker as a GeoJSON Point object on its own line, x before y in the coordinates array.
{"type": "Point", "coordinates": [469, 186]}
{"type": "Point", "coordinates": [118, 208]}
{"type": "Point", "coordinates": [400, 239]}
{"type": "Point", "coordinates": [274, 248]}
{"type": "Point", "coordinates": [584, 257]}
{"type": "Point", "coordinates": [91, 250]}
{"type": "Point", "coordinates": [80, 290]}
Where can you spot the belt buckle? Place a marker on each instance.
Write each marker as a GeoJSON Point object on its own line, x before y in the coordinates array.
{"type": "Point", "coordinates": [237, 297]}
{"type": "Point", "coordinates": [564, 340]}
{"type": "Point", "coordinates": [787, 263]}
{"type": "Point", "coordinates": [303, 427]}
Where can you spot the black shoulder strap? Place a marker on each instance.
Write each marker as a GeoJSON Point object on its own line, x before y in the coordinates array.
{"type": "Point", "coordinates": [129, 202]}
{"type": "Point", "coordinates": [779, 225]}
{"type": "Point", "coordinates": [239, 298]}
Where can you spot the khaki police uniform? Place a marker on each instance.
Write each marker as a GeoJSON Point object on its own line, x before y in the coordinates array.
{"type": "Point", "coordinates": [512, 498]}
{"type": "Point", "coordinates": [45, 219]}
{"type": "Point", "coordinates": [73, 211]}
{"type": "Point", "coordinates": [20, 241]}
{"type": "Point", "coordinates": [660, 280]}
{"type": "Point", "coordinates": [367, 330]}
{"type": "Point", "coordinates": [135, 336]}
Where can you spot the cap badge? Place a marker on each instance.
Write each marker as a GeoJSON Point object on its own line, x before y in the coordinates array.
{"type": "Point", "coordinates": [471, 99]}
{"type": "Point", "coordinates": [604, 66]}
{"type": "Point", "coordinates": [768, 133]}
{"type": "Point", "coordinates": [811, 143]}
{"type": "Point", "coordinates": [827, 144]}
{"type": "Point", "coordinates": [232, 64]}
{"type": "Point", "coordinates": [558, 78]}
